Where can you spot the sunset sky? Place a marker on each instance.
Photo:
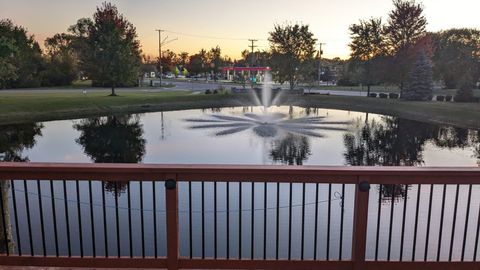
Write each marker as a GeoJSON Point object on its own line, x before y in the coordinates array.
{"type": "Point", "coordinates": [230, 24]}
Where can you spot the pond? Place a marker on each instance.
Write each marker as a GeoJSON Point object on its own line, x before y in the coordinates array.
{"type": "Point", "coordinates": [198, 136]}
{"type": "Point", "coordinates": [241, 135]}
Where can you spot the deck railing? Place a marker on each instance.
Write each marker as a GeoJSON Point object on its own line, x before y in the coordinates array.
{"type": "Point", "coordinates": [239, 217]}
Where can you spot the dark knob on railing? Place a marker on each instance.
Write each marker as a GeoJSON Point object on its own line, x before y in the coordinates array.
{"type": "Point", "coordinates": [364, 186]}
{"type": "Point", "coordinates": [170, 184]}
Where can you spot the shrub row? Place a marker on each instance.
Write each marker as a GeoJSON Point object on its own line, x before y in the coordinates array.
{"type": "Point", "coordinates": [447, 98]}
{"type": "Point", "coordinates": [383, 95]}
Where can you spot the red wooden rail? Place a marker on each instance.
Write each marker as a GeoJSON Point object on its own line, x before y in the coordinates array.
{"type": "Point", "coordinates": [304, 174]}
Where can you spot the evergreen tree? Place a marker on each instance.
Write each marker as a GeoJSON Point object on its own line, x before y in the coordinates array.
{"type": "Point", "coordinates": [420, 84]}
{"type": "Point", "coordinates": [465, 92]}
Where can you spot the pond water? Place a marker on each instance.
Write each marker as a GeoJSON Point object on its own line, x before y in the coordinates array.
{"type": "Point", "coordinates": [190, 137]}
{"type": "Point", "coordinates": [241, 135]}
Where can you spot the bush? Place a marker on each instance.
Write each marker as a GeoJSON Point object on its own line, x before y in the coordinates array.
{"type": "Point", "coordinates": [440, 98]}
{"type": "Point", "coordinates": [448, 98]}
{"type": "Point", "coordinates": [215, 91]}
{"type": "Point", "coordinates": [208, 92]}
{"type": "Point", "coordinates": [393, 95]}
{"type": "Point", "coordinates": [374, 95]}
{"type": "Point", "coordinates": [465, 91]}
{"type": "Point", "coordinates": [346, 82]}
{"type": "Point", "coordinates": [383, 95]}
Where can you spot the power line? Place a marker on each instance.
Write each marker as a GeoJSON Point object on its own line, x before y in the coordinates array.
{"type": "Point", "coordinates": [204, 36]}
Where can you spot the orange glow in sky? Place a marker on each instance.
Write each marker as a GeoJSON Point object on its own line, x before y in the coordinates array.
{"type": "Point", "coordinates": [230, 24]}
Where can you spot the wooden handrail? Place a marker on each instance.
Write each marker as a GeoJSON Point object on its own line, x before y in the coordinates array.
{"type": "Point", "coordinates": [241, 173]}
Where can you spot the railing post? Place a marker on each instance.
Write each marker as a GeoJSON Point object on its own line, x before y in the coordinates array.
{"type": "Point", "coordinates": [171, 191]}
{"type": "Point", "coordinates": [360, 223]}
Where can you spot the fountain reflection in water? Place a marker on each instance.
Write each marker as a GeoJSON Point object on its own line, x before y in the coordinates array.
{"type": "Point", "coordinates": [267, 124]}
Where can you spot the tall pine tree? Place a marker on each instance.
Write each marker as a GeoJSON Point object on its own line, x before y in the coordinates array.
{"type": "Point", "coordinates": [420, 83]}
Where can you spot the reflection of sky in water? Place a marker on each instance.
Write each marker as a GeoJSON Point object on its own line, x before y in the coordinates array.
{"type": "Point", "coordinates": [177, 143]}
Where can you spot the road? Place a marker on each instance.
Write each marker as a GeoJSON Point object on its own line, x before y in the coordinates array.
{"type": "Point", "coordinates": [180, 85]}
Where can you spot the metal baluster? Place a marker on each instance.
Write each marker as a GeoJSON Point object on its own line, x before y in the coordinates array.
{"type": "Point", "coordinates": [402, 243]}
{"type": "Point", "coordinates": [427, 237]}
{"type": "Point", "coordinates": [15, 212]}
{"type": "Point", "coordinates": [42, 224]}
{"type": "Point", "coordinates": [67, 219]}
{"type": "Point", "coordinates": [130, 237]}
{"type": "Point", "coordinates": [415, 230]}
{"type": "Point", "coordinates": [92, 224]}
{"type": "Point", "coordinates": [392, 211]}
{"type": "Point", "coordinates": [442, 215]}
{"type": "Point", "coordinates": [117, 221]}
{"type": "Point", "coordinates": [379, 214]}
{"type": "Point", "coordinates": [80, 230]}
{"type": "Point", "coordinates": [105, 231]}
{"type": "Point", "coordinates": [454, 223]}
{"type": "Point", "coordinates": [29, 222]}
{"type": "Point", "coordinates": [467, 215]}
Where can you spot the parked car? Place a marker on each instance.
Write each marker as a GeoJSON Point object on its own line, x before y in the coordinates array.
{"type": "Point", "coordinates": [169, 76]}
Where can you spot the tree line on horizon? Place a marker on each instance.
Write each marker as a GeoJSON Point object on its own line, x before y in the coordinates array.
{"type": "Point", "coordinates": [106, 49]}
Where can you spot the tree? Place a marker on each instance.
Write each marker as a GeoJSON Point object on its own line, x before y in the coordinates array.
{"type": "Point", "coordinates": [368, 43]}
{"type": "Point", "coordinates": [406, 24]}
{"type": "Point", "coordinates": [61, 61]}
{"type": "Point", "coordinates": [21, 62]}
{"type": "Point", "coordinates": [112, 55]}
{"type": "Point", "coordinates": [465, 91]}
{"type": "Point", "coordinates": [420, 84]}
{"type": "Point", "coordinates": [8, 71]}
{"type": "Point", "coordinates": [169, 61]}
{"type": "Point", "coordinates": [291, 47]}
{"type": "Point", "coordinates": [183, 59]}
{"type": "Point", "coordinates": [214, 58]}
{"type": "Point", "coordinates": [112, 139]}
{"type": "Point", "coordinates": [457, 52]}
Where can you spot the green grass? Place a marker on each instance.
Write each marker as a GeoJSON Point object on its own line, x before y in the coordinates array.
{"type": "Point", "coordinates": [40, 106]}
{"type": "Point", "coordinates": [388, 89]}
{"type": "Point", "coordinates": [27, 107]}
{"type": "Point", "coordinates": [464, 115]}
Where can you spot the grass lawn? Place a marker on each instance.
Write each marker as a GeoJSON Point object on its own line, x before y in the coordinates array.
{"type": "Point", "coordinates": [38, 106]}
{"type": "Point", "coordinates": [465, 115]}
{"type": "Point", "coordinates": [389, 89]}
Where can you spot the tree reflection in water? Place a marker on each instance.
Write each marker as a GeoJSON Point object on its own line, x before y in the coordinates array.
{"type": "Point", "coordinates": [400, 142]}
{"type": "Point", "coordinates": [289, 134]}
{"type": "Point", "coordinates": [292, 149]}
{"type": "Point", "coordinates": [112, 139]}
{"type": "Point", "coordinates": [14, 139]}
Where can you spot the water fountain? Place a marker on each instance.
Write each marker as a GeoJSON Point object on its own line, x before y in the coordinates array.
{"type": "Point", "coordinates": [266, 123]}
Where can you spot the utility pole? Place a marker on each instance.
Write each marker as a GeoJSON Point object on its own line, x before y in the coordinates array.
{"type": "Point", "coordinates": [320, 52]}
{"type": "Point", "coordinates": [252, 57]}
{"type": "Point", "coordinates": [160, 43]}
{"type": "Point", "coordinates": [160, 53]}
